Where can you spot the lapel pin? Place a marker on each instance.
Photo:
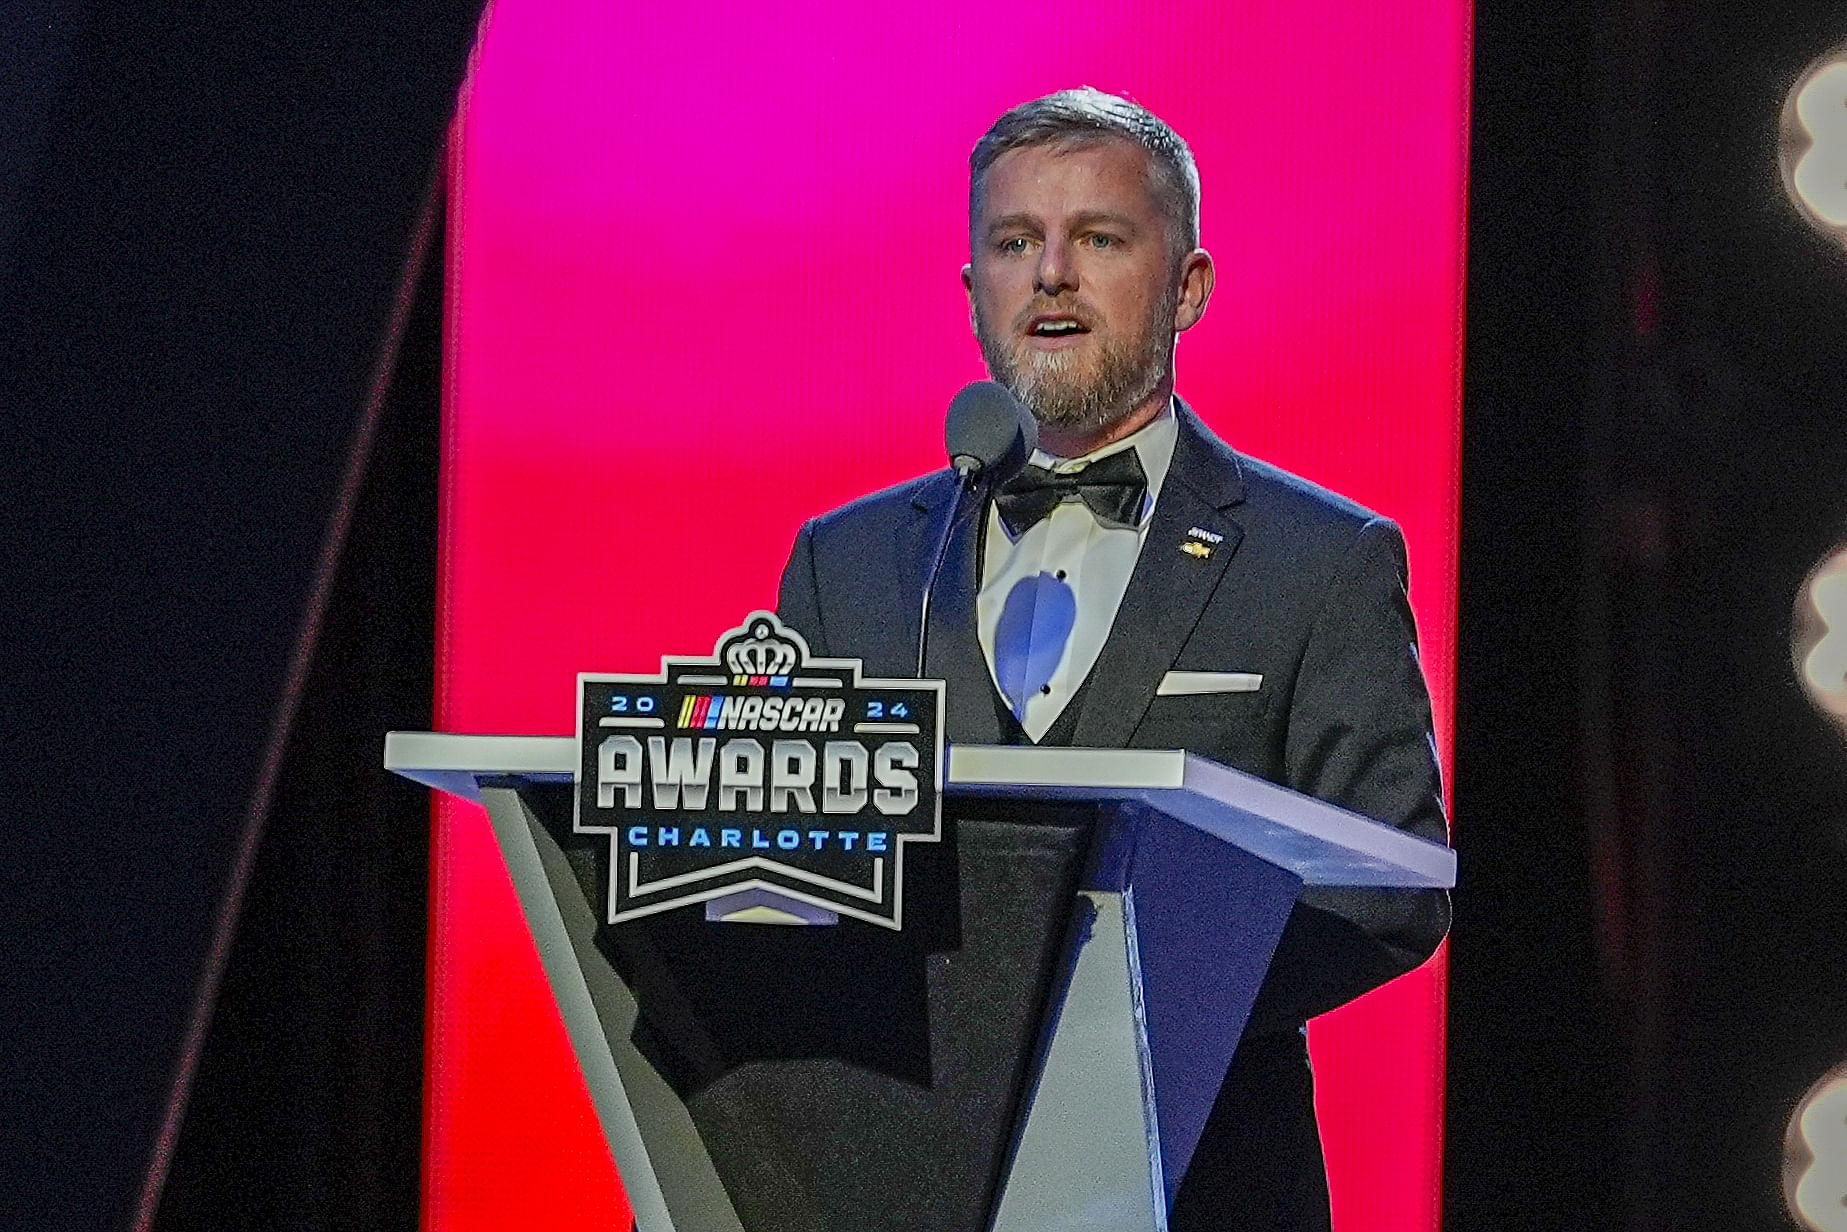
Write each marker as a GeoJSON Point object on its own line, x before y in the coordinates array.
{"type": "Point", "coordinates": [1193, 546]}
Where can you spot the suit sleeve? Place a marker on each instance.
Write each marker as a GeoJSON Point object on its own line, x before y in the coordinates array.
{"type": "Point", "coordinates": [1359, 735]}
{"type": "Point", "coordinates": [798, 602]}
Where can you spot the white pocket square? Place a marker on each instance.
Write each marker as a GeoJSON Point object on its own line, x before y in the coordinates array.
{"type": "Point", "coordinates": [1183, 684]}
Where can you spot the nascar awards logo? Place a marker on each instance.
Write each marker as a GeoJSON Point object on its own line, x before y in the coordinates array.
{"type": "Point", "coordinates": [759, 767]}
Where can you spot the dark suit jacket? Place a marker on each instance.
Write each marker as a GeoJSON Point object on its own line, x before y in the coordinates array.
{"type": "Point", "coordinates": [1306, 588]}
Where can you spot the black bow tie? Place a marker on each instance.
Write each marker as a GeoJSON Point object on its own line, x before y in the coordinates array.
{"type": "Point", "coordinates": [1112, 487]}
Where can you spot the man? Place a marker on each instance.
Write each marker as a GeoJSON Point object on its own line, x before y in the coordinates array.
{"type": "Point", "coordinates": [1140, 545]}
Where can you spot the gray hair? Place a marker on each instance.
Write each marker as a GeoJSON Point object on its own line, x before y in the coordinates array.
{"type": "Point", "coordinates": [1073, 119]}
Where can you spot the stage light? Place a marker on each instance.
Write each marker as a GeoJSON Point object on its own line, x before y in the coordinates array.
{"type": "Point", "coordinates": [1818, 638]}
{"type": "Point", "coordinates": [1812, 153]}
{"type": "Point", "coordinates": [1815, 1156]}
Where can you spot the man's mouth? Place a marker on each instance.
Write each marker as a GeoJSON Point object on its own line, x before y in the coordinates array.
{"type": "Point", "coordinates": [1056, 327]}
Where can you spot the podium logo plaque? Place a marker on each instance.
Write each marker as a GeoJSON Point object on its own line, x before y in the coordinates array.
{"type": "Point", "coordinates": [759, 767]}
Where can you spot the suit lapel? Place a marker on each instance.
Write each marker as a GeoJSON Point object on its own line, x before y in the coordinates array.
{"type": "Point", "coordinates": [1169, 588]}
{"type": "Point", "coordinates": [954, 653]}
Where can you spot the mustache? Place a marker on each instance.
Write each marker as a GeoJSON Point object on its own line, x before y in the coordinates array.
{"type": "Point", "coordinates": [1046, 305]}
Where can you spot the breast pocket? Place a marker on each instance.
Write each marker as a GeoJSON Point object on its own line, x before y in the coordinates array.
{"type": "Point", "coordinates": [1196, 684]}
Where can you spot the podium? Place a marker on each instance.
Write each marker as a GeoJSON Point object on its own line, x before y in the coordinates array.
{"type": "Point", "coordinates": [1037, 1052]}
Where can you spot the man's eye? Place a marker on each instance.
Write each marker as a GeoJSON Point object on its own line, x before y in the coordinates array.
{"type": "Point", "coordinates": [1013, 244]}
{"type": "Point", "coordinates": [1098, 240]}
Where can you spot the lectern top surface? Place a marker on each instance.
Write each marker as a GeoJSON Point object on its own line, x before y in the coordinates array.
{"type": "Point", "coordinates": [1322, 844]}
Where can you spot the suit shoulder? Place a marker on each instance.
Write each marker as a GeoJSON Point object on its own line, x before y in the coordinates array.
{"type": "Point", "coordinates": [1318, 532]}
{"type": "Point", "coordinates": [1287, 499]}
{"type": "Point", "coordinates": [1269, 497]}
{"type": "Point", "coordinates": [885, 505]}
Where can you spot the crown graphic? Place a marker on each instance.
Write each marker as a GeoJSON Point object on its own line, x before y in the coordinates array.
{"type": "Point", "coordinates": [761, 649]}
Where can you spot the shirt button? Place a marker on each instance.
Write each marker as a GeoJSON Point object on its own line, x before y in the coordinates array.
{"type": "Point", "coordinates": [1045, 688]}
{"type": "Point", "coordinates": [1061, 575]}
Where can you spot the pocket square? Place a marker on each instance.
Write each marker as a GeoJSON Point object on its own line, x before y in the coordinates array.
{"type": "Point", "coordinates": [1183, 684]}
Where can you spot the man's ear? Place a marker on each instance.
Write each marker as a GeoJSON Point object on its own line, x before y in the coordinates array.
{"type": "Point", "coordinates": [968, 288]}
{"type": "Point", "coordinates": [1196, 278]}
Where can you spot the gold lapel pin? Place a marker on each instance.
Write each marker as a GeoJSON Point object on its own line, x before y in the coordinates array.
{"type": "Point", "coordinates": [1193, 547]}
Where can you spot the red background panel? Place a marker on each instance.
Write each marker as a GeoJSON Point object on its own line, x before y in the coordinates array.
{"type": "Point", "coordinates": [704, 284]}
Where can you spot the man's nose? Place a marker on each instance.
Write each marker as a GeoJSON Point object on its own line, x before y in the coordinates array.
{"type": "Point", "coordinates": [1055, 272]}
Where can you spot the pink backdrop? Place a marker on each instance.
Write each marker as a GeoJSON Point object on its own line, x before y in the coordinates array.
{"type": "Point", "coordinates": [703, 284]}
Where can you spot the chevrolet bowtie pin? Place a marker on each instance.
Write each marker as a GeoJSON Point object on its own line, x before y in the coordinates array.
{"type": "Point", "coordinates": [1193, 546]}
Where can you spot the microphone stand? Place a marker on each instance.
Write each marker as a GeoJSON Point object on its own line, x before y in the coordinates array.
{"type": "Point", "coordinates": [968, 478]}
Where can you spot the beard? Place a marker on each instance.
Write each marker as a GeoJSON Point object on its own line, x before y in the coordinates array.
{"type": "Point", "coordinates": [1076, 392]}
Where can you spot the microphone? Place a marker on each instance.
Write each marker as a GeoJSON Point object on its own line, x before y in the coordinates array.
{"type": "Point", "coordinates": [987, 428]}
{"type": "Point", "coordinates": [988, 436]}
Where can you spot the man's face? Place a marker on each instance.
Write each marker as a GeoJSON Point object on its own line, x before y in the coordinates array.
{"type": "Point", "coordinates": [1075, 289]}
